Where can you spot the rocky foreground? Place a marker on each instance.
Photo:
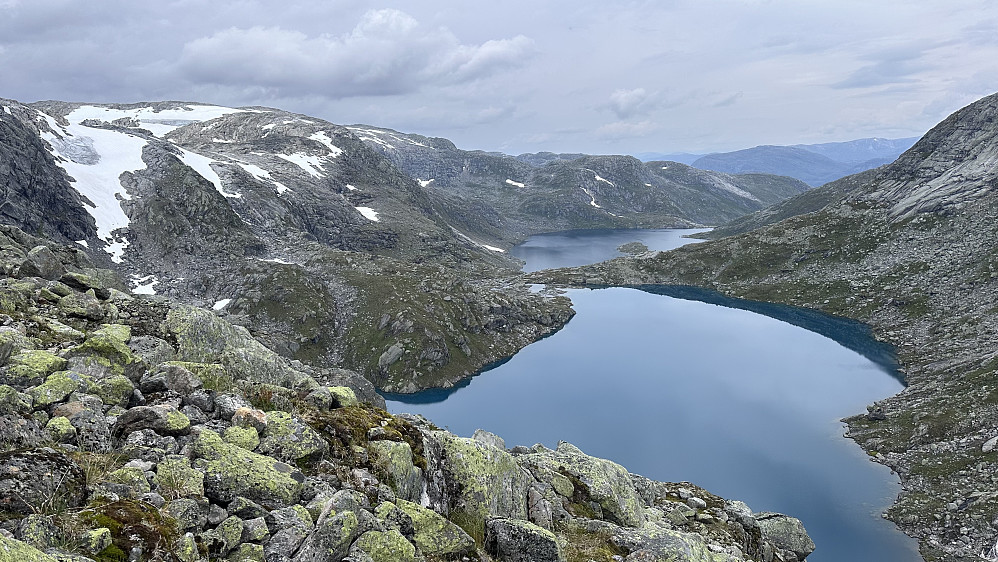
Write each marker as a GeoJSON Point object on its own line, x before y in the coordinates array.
{"type": "Point", "coordinates": [135, 428]}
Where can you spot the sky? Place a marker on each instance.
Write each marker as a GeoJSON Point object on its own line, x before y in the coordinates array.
{"type": "Point", "coordinates": [599, 77]}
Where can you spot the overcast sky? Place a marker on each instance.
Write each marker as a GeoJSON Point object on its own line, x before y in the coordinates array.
{"type": "Point", "coordinates": [525, 76]}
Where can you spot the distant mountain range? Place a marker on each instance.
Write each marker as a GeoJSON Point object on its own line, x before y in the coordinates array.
{"type": "Point", "coordinates": [814, 164]}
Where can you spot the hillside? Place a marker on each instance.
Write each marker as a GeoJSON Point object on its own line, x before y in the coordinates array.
{"type": "Point", "coordinates": [507, 198]}
{"type": "Point", "coordinates": [912, 252]}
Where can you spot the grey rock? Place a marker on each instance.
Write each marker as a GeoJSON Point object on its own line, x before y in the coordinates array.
{"type": "Point", "coordinates": [163, 419]}
{"type": "Point", "coordinates": [216, 514]}
{"type": "Point", "coordinates": [190, 514]}
{"type": "Point", "coordinates": [41, 262]}
{"type": "Point", "coordinates": [331, 539]}
{"type": "Point", "coordinates": [245, 508]}
{"type": "Point", "coordinates": [228, 403]}
{"type": "Point", "coordinates": [785, 532]}
{"type": "Point", "coordinates": [513, 540]}
{"type": "Point", "coordinates": [152, 349]}
{"type": "Point", "coordinates": [489, 439]}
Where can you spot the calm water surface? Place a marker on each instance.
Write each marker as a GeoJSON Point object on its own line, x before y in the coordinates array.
{"type": "Point", "coordinates": [675, 389]}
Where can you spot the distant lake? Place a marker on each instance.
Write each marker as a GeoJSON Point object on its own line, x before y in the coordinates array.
{"type": "Point", "coordinates": [682, 384]}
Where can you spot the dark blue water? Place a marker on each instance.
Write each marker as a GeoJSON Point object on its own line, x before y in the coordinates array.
{"type": "Point", "coordinates": [676, 389]}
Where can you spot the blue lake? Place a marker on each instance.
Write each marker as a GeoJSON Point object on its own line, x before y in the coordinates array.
{"type": "Point", "coordinates": [741, 398]}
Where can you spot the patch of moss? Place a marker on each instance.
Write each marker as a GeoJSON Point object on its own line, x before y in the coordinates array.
{"type": "Point", "coordinates": [133, 523]}
{"type": "Point", "coordinates": [585, 546]}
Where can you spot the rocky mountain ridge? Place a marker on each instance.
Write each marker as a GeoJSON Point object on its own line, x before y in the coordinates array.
{"type": "Point", "coordinates": [545, 192]}
{"type": "Point", "coordinates": [133, 427]}
{"type": "Point", "coordinates": [909, 249]}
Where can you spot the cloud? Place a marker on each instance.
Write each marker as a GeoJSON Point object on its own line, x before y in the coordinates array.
{"type": "Point", "coordinates": [888, 67]}
{"type": "Point", "coordinates": [630, 103]}
{"type": "Point", "coordinates": [387, 53]}
{"type": "Point", "coordinates": [729, 100]}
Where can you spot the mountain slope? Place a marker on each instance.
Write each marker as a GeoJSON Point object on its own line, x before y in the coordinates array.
{"type": "Point", "coordinates": [914, 253]}
{"type": "Point", "coordinates": [545, 192]}
{"type": "Point", "coordinates": [284, 223]}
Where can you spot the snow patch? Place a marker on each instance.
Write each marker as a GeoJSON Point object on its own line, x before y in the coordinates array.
{"type": "Point", "coordinates": [593, 199]}
{"type": "Point", "coordinates": [351, 188]}
{"type": "Point", "coordinates": [95, 159]}
{"type": "Point", "coordinates": [375, 136]}
{"type": "Point", "coordinates": [83, 243]}
{"type": "Point", "coordinates": [604, 180]}
{"type": "Point", "coordinates": [268, 127]}
{"type": "Point", "coordinates": [280, 261]}
{"type": "Point", "coordinates": [117, 249]}
{"type": "Point", "coordinates": [263, 175]}
{"type": "Point", "coordinates": [479, 244]}
{"type": "Point", "coordinates": [516, 183]}
{"type": "Point", "coordinates": [311, 164]}
{"type": "Point", "coordinates": [219, 305]}
{"type": "Point", "coordinates": [648, 184]}
{"type": "Point", "coordinates": [7, 110]}
{"type": "Point", "coordinates": [369, 213]}
{"type": "Point", "coordinates": [321, 137]}
{"type": "Point", "coordinates": [665, 167]}
{"type": "Point", "coordinates": [202, 165]}
{"type": "Point", "coordinates": [223, 141]}
{"type": "Point", "coordinates": [422, 183]}
{"type": "Point", "coordinates": [144, 285]}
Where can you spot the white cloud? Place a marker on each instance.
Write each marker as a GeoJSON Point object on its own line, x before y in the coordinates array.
{"type": "Point", "coordinates": [388, 52]}
{"type": "Point", "coordinates": [628, 103]}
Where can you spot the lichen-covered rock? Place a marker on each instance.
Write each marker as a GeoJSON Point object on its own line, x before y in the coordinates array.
{"type": "Point", "coordinates": [61, 430]}
{"type": "Point", "coordinates": [342, 396]}
{"type": "Point", "coordinates": [188, 513]}
{"type": "Point", "coordinates": [248, 553]}
{"type": "Point", "coordinates": [245, 508]}
{"type": "Point", "coordinates": [605, 482]}
{"type": "Point", "coordinates": [204, 337]}
{"type": "Point", "coordinates": [385, 546]}
{"type": "Point", "coordinates": [57, 387]}
{"type": "Point", "coordinates": [176, 478]}
{"type": "Point", "coordinates": [83, 305]}
{"type": "Point", "coordinates": [31, 366]}
{"type": "Point", "coordinates": [472, 481]}
{"type": "Point", "coordinates": [785, 532]}
{"type": "Point", "coordinates": [288, 438]}
{"type": "Point", "coordinates": [331, 539]}
{"type": "Point", "coordinates": [96, 540]}
{"type": "Point", "coordinates": [40, 479]}
{"type": "Point", "coordinates": [255, 530]}
{"type": "Point", "coordinates": [15, 550]}
{"type": "Point", "coordinates": [652, 542]}
{"type": "Point", "coordinates": [92, 432]}
{"type": "Point", "coordinates": [245, 437]}
{"type": "Point", "coordinates": [222, 539]}
{"type": "Point", "coordinates": [232, 471]}
{"type": "Point", "coordinates": [436, 536]}
{"type": "Point", "coordinates": [39, 531]}
{"type": "Point", "coordinates": [103, 353]}
{"type": "Point", "coordinates": [164, 419]}
{"type": "Point", "coordinates": [513, 540]}
{"type": "Point", "coordinates": [152, 349]}
{"type": "Point", "coordinates": [393, 461]}
{"type": "Point", "coordinates": [173, 376]}
{"type": "Point", "coordinates": [132, 479]}
{"type": "Point", "coordinates": [115, 390]}
{"type": "Point", "coordinates": [13, 402]}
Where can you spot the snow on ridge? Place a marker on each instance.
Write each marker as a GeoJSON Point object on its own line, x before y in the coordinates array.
{"type": "Point", "coordinates": [369, 213]}
{"type": "Point", "coordinates": [219, 305]}
{"type": "Point", "coordinates": [7, 110]}
{"type": "Point", "coordinates": [144, 285]}
{"type": "Point", "coordinates": [351, 187]}
{"type": "Point", "coordinates": [117, 249]}
{"type": "Point", "coordinates": [479, 244]}
{"type": "Point", "coordinates": [158, 122]}
{"type": "Point", "coordinates": [604, 180]}
{"type": "Point", "coordinates": [202, 165]}
{"type": "Point", "coordinates": [728, 186]}
{"type": "Point", "coordinates": [422, 183]}
{"type": "Point", "coordinates": [323, 138]}
{"type": "Point", "coordinates": [311, 164]}
{"type": "Point", "coordinates": [82, 243]}
{"type": "Point", "coordinates": [516, 183]}
{"type": "Point", "coordinates": [375, 135]}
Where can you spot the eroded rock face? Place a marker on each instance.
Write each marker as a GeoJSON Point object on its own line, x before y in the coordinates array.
{"type": "Point", "coordinates": [786, 533]}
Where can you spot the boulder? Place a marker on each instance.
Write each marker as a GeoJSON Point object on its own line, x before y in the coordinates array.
{"type": "Point", "coordinates": [40, 479]}
{"type": "Point", "coordinates": [605, 482]}
{"type": "Point", "coordinates": [290, 439]}
{"type": "Point", "coordinates": [385, 546]}
{"type": "Point", "coordinates": [42, 262]}
{"type": "Point", "coordinates": [164, 419]}
{"type": "Point", "coordinates": [436, 536]}
{"type": "Point", "coordinates": [393, 463]}
{"type": "Point", "coordinates": [331, 539]}
{"type": "Point", "coordinates": [57, 387]}
{"type": "Point", "coordinates": [785, 532]}
{"type": "Point", "coordinates": [245, 437]}
{"type": "Point", "coordinates": [232, 471]}
{"type": "Point", "coordinates": [514, 540]}
{"type": "Point", "coordinates": [170, 376]}
{"type": "Point", "coordinates": [11, 549]}
{"type": "Point", "coordinates": [30, 367]}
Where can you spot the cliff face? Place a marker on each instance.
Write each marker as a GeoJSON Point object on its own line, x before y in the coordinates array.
{"type": "Point", "coordinates": [140, 428]}
{"type": "Point", "coordinates": [911, 251]}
